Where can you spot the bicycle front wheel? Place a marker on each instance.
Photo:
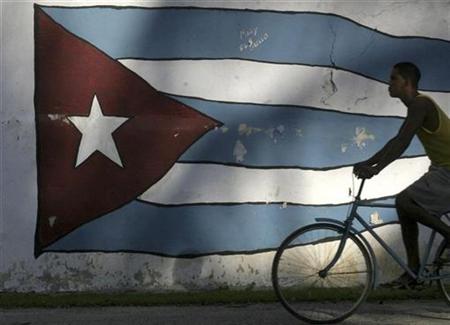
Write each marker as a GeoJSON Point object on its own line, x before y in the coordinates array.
{"type": "Point", "coordinates": [321, 298]}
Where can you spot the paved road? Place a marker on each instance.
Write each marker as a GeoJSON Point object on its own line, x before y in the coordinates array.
{"type": "Point", "coordinates": [403, 312]}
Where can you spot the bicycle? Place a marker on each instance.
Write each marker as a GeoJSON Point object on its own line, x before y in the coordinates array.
{"type": "Point", "coordinates": [323, 272]}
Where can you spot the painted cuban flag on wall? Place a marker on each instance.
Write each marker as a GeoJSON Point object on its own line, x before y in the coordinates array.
{"type": "Point", "coordinates": [185, 131]}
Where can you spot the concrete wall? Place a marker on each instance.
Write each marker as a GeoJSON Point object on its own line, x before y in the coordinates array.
{"type": "Point", "coordinates": [291, 129]}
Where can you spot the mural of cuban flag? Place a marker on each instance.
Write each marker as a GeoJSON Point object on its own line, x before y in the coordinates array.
{"type": "Point", "coordinates": [188, 131]}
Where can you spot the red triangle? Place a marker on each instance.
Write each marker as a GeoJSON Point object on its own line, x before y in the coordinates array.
{"type": "Point", "coordinates": [69, 72]}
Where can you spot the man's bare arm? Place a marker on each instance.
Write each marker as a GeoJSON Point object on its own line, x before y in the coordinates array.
{"type": "Point", "coordinates": [397, 145]}
{"type": "Point", "coordinates": [375, 159]}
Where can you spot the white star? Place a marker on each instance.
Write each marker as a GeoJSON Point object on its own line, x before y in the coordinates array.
{"type": "Point", "coordinates": [96, 130]}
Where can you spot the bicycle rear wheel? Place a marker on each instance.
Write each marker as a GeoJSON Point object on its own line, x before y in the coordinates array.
{"type": "Point", "coordinates": [442, 263]}
{"type": "Point", "coordinates": [307, 295]}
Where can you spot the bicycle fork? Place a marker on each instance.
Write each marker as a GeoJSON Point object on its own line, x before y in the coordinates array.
{"type": "Point", "coordinates": [323, 273]}
{"type": "Point", "coordinates": [348, 223]}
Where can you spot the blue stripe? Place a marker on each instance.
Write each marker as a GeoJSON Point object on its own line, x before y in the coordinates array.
{"type": "Point", "coordinates": [198, 230]}
{"type": "Point", "coordinates": [299, 38]}
{"type": "Point", "coordinates": [307, 138]}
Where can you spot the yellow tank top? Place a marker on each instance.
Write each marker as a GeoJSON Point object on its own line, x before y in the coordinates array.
{"type": "Point", "coordinates": [437, 143]}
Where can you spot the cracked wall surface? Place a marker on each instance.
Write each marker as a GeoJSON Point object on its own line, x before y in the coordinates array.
{"type": "Point", "coordinates": [329, 88]}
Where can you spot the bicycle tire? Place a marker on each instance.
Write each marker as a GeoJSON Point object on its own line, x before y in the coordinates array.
{"type": "Point", "coordinates": [442, 264]}
{"type": "Point", "coordinates": [315, 300]}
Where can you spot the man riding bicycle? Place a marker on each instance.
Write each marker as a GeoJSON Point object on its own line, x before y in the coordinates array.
{"type": "Point", "coordinates": [428, 198]}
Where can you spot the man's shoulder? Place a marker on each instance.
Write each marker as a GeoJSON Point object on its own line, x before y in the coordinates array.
{"type": "Point", "coordinates": [422, 104]}
{"type": "Point", "coordinates": [422, 100]}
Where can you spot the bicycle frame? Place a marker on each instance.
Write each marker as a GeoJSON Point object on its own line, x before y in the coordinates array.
{"type": "Point", "coordinates": [348, 228]}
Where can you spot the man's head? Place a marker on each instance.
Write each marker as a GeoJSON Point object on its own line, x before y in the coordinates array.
{"type": "Point", "coordinates": [404, 79]}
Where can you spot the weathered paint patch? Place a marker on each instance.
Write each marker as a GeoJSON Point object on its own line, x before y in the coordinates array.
{"type": "Point", "coordinates": [361, 137]}
{"type": "Point", "coordinates": [276, 133]}
{"type": "Point", "coordinates": [56, 272]}
{"type": "Point", "coordinates": [51, 221]}
{"type": "Point", "coordinates": [375, 218]}
{"type": "Point", "coordinates": [239, 151]}
{"type": "Point", "coordinates": [247, 130]}
{"type": "Point", "coordinates": [59, 117]}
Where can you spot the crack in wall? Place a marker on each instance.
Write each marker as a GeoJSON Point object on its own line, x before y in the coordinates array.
{"type": "Point", "coordinates": [330, 88]}
{"type": "Point", "coordinates": [332, 44]}
{"type": "Point", "coordinates": [333, 84]}
{"type": "Point", "coordinates": [360, 99]}
{"type": "Point", "coordinates": [371, 41]}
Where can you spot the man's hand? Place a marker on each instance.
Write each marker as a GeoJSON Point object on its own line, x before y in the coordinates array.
{"type": "Point", "coordinates": [364, 170]}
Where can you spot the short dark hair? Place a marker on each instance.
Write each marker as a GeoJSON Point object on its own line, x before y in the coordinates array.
{"type": "Point", "coordinates": [409, 71]}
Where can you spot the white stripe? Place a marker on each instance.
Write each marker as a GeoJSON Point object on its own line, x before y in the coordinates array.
{"type": "Point", "coordinates": [399, 18]}
{"type": "Point", "coordinates": [208, 183]}
{"type": "Point", "coordinates": [274, 84]}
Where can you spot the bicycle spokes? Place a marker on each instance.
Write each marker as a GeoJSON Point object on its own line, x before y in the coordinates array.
{"type": "Point", "coordinates": [310, 294]}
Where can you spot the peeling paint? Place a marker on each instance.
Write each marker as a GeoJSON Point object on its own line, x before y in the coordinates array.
{"type": "Point", "coordinates": [359, 140]}
{"type": "Point", "coordinates": [275, 133]}
{"type": "Point", "coordinates": [239, 151]}
{"type": "Point", "coordinates": [51, 221]}
{"type": "Point", "coordinates": [361, 136]}
{"type": "Point", "coordinates": [139, 276]}
{"type": "Point", "coordinates": [375, 218]}
{"type": "Point", "coordinates": [247, 130]}
{"type": "Point", "coordinates": [59, 117]}
{"type": "Point", "coordinates": [57, 272]}
{"type": "Point", "coordinates": [4, 277]}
